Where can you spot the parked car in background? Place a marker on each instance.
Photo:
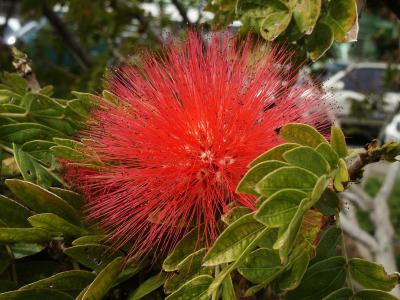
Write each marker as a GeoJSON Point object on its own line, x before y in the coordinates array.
{"type": "Point", "coordinates": [366, 96]}
{"type": "Point", "coordinates": [361, 81]}
{"type": "Point", "coordinates": [392, 130]}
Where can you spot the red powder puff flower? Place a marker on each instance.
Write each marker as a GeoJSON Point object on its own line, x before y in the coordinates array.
{"type": "Point", "coordinates": [188, 124]}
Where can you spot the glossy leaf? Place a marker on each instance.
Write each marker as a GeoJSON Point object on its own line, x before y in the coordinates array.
{"type": "Point", "coordinates": [307, 158]}
{"type": "Point", "coordinates": [328, 153]}
{"type": "Point", "coordinates": [23, 235]}
{"type": "Point", "coordinates": [93, 256]}
{"type": "Point", "coordinates": [341, 16]}
{"type": "Point", "coordinates": [35, 294]}
{"type": "Point", "coordinates": [286, 241]}
{"type": "Point", "coordinates": [12, 213]}
{"type": "Point", "coordinates": [261, 266]}
{"type": "Point", "coordinates": [305, 14]}
{"type": "Point", "coordinates": [233, 240]}
{"type": "Point", "coordinates": [21, 133]}
{"type": "Point", "coordinates": [234, 214]}
{"type": "Point", "coordinates": [54, 223]}
{"type": "Point", "coordinates": [373, 295]}
{"type": "Point", "coordinates": [275, 153]}
{"type": "Point", "coordinates": [287, 178]}
{"type": "Point", "coordinates": [301, 134]}
{"type": "Point", "coordinates": [193, 289]}
{"type": "Point", "coordinates": [148, 286]}
{"type": "Point", "coordinates": [279, 209]}
{"type": "Point", "coordinates": [89, 239]}
{"type": "Point", "coordinates": [41, 200]}
{"type": "Point", "coordinates": [327, 246]}
{"type": "Point", "coordinates": [296, 269]}
{"type": "Point", "coordinates": [341, 294]}
{"type": "Point", "coordinates": [321, 279]}
{"type": "Point", "coordinates": [228, 291]}
{"type": "Point", "coordinates": [183, 248]}
{"type": "Point", "coordinates": [255, 174]}
{"type": "Point", "coordinates": [341, 176]}
{"type": "Point", "coordinates": [31, 170]}
{"type": "Point", "coordinates": [319, 41]}
{"type": "Point", "coordinates": [189, 268]}
{"type": "Point", "coordinates": [40, 150]}
{"type": "Point", "coordinates": [70, 282]}
{"type": "Point", "coordinates": [104, 280]}
{"type": "Point", "coordinates": [371, 275]}
{"type": "Point", "coordinates": [73, 199]}
{"type": "Point", "coordinates": [338, 142]}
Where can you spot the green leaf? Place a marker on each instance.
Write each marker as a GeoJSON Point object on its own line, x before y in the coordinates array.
{"type": "Point", "coordinates": [285, 242]}
{"type": "Point", "coordinates": [93, 256]}
{"type": "Point", "coordinates": [21, 133]}
{"type": "Point", "coordinates": [148, 286]}
{"type": "Point", "coordinates": [76, 110]}
{"type": "Point", "coordinates": [268, 240]}
{"type": "Point", "coordinates": [296, 269]}
{"type": "Point", "coordinates": [228, 291]}
{"type": "Point", "coordinates": [41, 200]}
{"type": "Point", "coordinates": [111, 98]}
{"type": "Point", "coordinates": [261, 266]}
{"type": "Point", "coordinates": [193, 289]}
{"type": "Point", "coordinates": [40, 150]}
{"type": "Point", "coordinates": [341, 16]}
{"type": "Point", "coordinates": [35, 294]}
{"type": "Point", "coordinates": [328, 204]}
{"type": "Point", "coordinates": [341, 294]}
{"type": "Point", "coordinates": [328, 243]}
{"type": "Point", "coordinates": [16, 82]}
{"type": "Point", "coordinates": [341, 176]}
{"type": "Point", "coordinates": [104, 280]}
{"type": "Point", "coordinates": [31, 169]}
{"type": "Point", "coordinates": [12, 213]}
{"type": "Point", "coordinates": [131, 268]}
{"type": "Point", "coordinates": [280, 208]}
{"type": "Point", "coordinates": [338, 142]}
{"type": "Point", "coordinates": [287, 178]}
{"type": "Point", "coordinates": [21, 250]}
{"type": "Point", "coordinates": [275, 153]}
{"type": "Point", "coordinates": [319, 41]}
{"type": "Point", "coordinates": [318, 190]}
{"type": "Point", "coordinates": [7, 285]}
{"type": "Point", "coordinates": [187, 269]}
{"type": "Point", "coordinates": [321, 279]}
{"type": "Point", "coordinates": [5, 259]}
{"type": "Point", "coordinates": [373, 295]}
{"type": "Point", "coordinates": [301, 134]}
{"type": "Point", "coordinates": [371, 275]}
{"type": "Point", "coordinates": [89, 239]}
{"type": "Point", "coordinates": [23, 235]}
{"type": "Point", "coordinates": [70, 282]}
{"type": "Point", "coordinates": [219, 279]}
{"type": "Point", "coordinates": [233, 240]}
{"type": "Point", "coordinates": [73, 199]}
{"type": "Point", "coordinates": [269, 19]}
{"type": "Point", "coordinates": [42, 105]}
{"type": "Point", "coordinates": [255, 174]}
{"type": "Point", "coordinates": [307, 158]}
{"type": "Point", "coordinates": [68, 153]}
{"type": "Point", "coordinates": [234, 214]}
{"type": "Point", "coordinates": [305, 14]}
{"type": "Point", "coordinates": [186, 246]}
{"type": "Point", "coordinates": [54, 223]}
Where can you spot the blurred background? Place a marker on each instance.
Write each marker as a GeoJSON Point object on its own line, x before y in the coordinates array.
{"type": "Point", "coordinates": [72, 43]}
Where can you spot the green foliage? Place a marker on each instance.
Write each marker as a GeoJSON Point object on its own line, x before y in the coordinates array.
{"type": "Point", "coordinates": [284, 244]}
{"type": "Point", "coordinates": [312, 25]}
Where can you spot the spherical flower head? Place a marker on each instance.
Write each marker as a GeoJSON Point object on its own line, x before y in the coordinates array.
{"type": "Point", "coordinates": [186, 127]}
